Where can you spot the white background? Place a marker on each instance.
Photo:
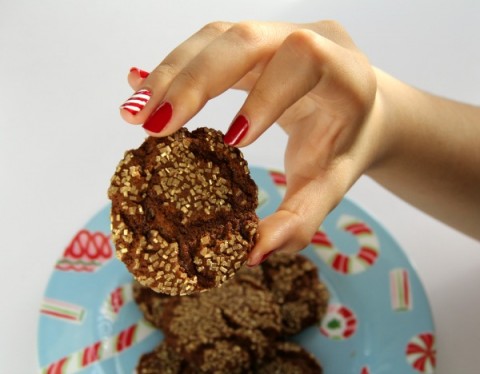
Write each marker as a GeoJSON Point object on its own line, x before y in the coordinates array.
{"type": "Point", "coordinates": [63, 67]}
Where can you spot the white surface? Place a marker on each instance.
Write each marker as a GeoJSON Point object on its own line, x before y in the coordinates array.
{"type": "Point", "coordinates": [63, 69]}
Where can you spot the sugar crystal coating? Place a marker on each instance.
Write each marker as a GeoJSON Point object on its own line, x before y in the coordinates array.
{"type": "Point", "coordinates": [163, 360]}
{"type": "Point", "coordinates": [290, 358]}
{"type": "Point", "coordinates": [297, 289]}
{"type": "Point", "coordinates": [241, 318]}
{"type": "Point", "coordinates": [183, 211]}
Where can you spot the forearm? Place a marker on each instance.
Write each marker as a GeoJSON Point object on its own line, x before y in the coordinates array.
{"type": "Point", "coordinates": [431, 154]}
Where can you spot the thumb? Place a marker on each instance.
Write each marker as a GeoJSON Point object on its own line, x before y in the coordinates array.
{"type": "Point", "coordinates": [298, 217]}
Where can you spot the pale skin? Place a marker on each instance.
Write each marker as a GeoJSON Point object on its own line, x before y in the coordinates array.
{"type": "Point", "coordinates": [343, 117]}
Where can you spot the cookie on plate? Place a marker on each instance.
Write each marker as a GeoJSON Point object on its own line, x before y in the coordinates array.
{"type": "Point", "coordinates": [296, 287]}
{"type": "Point", "coordinates": [163, 360]}
{"type": "Point", "coordinates": [152, 304]}
{"type": "Point", "coordinates": [183, 211]}
{"type": "Point", "coordinates": [290, 358]}
{"type": "Point", "coordinates": [226, 329]}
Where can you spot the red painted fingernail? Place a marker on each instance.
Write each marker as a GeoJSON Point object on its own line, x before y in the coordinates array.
{"type": "Point", "coordinates": [140, 72]}
{"type": "Point", "coordinates": [159, 119]}
{"type": "Point", "coordinates": [265, 256]}
{"type": "Point", "coordinates": [237, 131]}
{"type": "Point", "coordinates": [262, 259]}
{"type": "Point", "coordinates": [137, 101]}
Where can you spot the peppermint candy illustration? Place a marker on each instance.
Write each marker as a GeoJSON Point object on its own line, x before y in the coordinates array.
{"type": "Point", "coordinates": [421, 352]}
{"type": "Point", "coordinates": [62, 310]}
{"type": "Point", "coordinates": [116, 300]}
{"type": "Point", "coordinates": [349, 264]}
{"type": "Point", "coordinates": [280, 181]}
{"type": "Point", "coordinates": [86, 252]}
{"type": "Point", "coordinates": [400, 290]}
{"type": "Point", "coordinates": [339, 322]}
{"type": "Point", "coordinates": [365, 370]}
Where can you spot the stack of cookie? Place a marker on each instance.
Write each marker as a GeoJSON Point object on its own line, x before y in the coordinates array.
{"type": "Point", "coordinates": [241, 327]}
{"type": "Point", "coordinates": [184, 221]}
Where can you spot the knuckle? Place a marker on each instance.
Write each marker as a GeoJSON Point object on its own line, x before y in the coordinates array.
{"type": "Point", "coordinates": [246, 32]}
{"type": "Point", "coordinates": [165, 69]}
{"type": "Point", "coordinates": [334, 31]}
{"type": "Point", "coordinates": [303, 239]}
{"type": "Point", "coordinates": [261, 98]}
{"type": "Point", "coordinates": [190, 86]}
{"type": "Point", "coordinates": [331, 29]}
{"type": "Point", "coordinates": [303, 39]}
{"type": "Point", "coordinates": [331, 25]}
{"type": "Point", "coordinates": [301, 233]}
{"type": "Point", "coordinates": [189, 79]}
{"type": "Point", "coordinates": [215, 28]}
{"type": "Point", "coordinates": [306, 44]}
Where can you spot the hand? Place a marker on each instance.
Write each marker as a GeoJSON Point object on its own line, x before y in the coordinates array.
{"type": "Point", "coordinates": [310, 79]}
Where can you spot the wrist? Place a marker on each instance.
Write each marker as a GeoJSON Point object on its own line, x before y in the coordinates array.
{"type": "Point", "coordinates": [393, 117]}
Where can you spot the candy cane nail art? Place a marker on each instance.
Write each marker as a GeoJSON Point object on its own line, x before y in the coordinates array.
{"type": "Point", "coordinates": [137, 101]}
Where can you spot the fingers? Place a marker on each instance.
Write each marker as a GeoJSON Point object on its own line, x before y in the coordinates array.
{"type": "Point", "coordinates": [311, 79]}
{"type": "Point", "coordinates": [289, 76]}
{"type": "Point", "coordinates": [207, 64]}
{"type": "Point", "coordinates": [305, 64]}
{"type": "Point", "coordinates": [151, 89]}
{"type": "Point", "coordinates": [299, 216]}
{"type": "Point", "coordinates": [321, 161]}
{"type": "Point", "coordinates": [242, 48]}
{"type": "Point", "coordinates": [221, 56]}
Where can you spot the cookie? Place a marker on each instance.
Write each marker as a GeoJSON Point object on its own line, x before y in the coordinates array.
{"type": "Point", "coordinates": [163, 360]}
{"type": "Point", "coordinates": [152, 304]}
{"type": "Point", "coordinates": [230, 328]}
{"type": "Point", "coordinates": [290, 358]}
{"type": "Point", "coordinates": [183, 211]}
{"type": "Point", "coordinates": [296, 287]}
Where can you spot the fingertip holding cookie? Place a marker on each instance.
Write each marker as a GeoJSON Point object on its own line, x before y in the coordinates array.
{"type": "Point", "coordinates": [237, 130]}
{"type": "Point", "coordinates": [183, 211]}
{"type": "Point", "coordinates": [257, 260]}
{"type": "Point", "coordinates": [159, 118]}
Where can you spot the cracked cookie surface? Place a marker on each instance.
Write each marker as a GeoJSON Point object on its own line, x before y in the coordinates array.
{"type": "Point", "coordinates": [230, 327]}
{"type": "Point", "coordinates": [183, 211]}
{"type": "Point", "coordinates": [303, 298]}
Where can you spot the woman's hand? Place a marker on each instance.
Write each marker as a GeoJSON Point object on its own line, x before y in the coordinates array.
{"type": "Point", "coordinates": [310, 79]}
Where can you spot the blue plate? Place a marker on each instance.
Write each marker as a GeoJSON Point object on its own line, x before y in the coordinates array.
{"type": "Point", "coordinates": [378, 319]}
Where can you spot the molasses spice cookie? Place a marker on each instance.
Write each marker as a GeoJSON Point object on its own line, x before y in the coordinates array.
{"type": "Point", "coordinates": [183, 211]}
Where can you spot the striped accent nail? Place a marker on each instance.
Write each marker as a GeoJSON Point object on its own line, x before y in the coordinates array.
{"type": "Point", "coordinates": [137, 101]}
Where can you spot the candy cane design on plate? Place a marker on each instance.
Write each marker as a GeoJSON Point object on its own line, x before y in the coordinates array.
{"type": "Point", "coordinates": [62, 310]}
{"type": "Point", "coordinates": [100, 350]}
{"type": "Point", "coordinates": [116, 300]}
{"type": "Point", "coordinates": [400, 290]}
{"type": "Point", "coordinates": [421, 352]}
{"type": "Point", "coordinates": [354, 263]}
{"type": "Point", "coordinates": [137, 101]}
{"type": "Point", "coordinates": [87, 252]}
{"type": "Point", "coordinates": [280, 181]}
{"type": "Point", "coordinates": [365, 370]}
{"type": "Point", "coordinates": [339, 323]}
